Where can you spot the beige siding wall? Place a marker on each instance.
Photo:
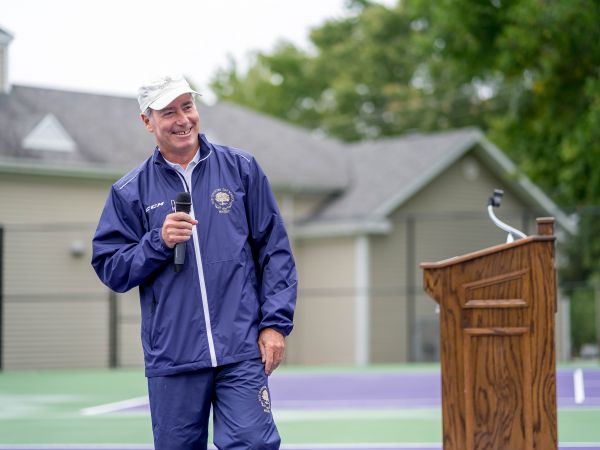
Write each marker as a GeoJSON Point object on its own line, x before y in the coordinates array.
{"type": "Point", "coordinates": [295, 207]}
{"type": "Point", "coordinates": [455, 191]}
{"type": "Point", "coordinates": [55, 309]}
{"type": "Point", "coordinates": [389, 325]}
{"type": "Point", "coordinates": [41, 334]}
{"type": "Point", "coordinates": [306, 204]}
{"type": "Point", "coordinates": [128, 340]}
{"type": "Point", "coordinates": [324, 321]}
{"type": "Point", "coordinates": [436, 237]}
{"type": "Point", "coordinates": [37, 199]}
{"type": "Point", "coordinates": [452, 235]}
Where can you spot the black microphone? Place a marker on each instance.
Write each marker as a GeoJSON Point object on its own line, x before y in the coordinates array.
{"type": "Point", "coordinates": [183, 203]}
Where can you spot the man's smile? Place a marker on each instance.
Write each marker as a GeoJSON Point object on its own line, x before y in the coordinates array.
{"type": "Point", "coordinates": [184, 132]}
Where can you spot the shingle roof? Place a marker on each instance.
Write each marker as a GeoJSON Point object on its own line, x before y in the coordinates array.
{"type": "Point", "coordinates": [106, 129]}
{"type": "Point", "coordinates": [370, 179]}
{"type": "Point", "coordinates": [292, 157]}
{"type": "Point", "coordinates": [385, 171]}
{"type": "Point", "coordinates": [108, 133]}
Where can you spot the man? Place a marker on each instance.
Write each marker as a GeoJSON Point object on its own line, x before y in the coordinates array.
{"type": "Point", "coordinates": [213, 330]}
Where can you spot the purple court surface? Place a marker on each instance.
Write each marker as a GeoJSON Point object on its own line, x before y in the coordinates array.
{"type": "Point", "coordinates": [285, 447]}
{"type": "Point", "coordinates": [576, 388]}
{"type": "Point", "coordinates": [367, 390]}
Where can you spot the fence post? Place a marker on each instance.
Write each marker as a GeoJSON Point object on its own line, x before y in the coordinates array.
{"type": "Point", "coordinates": [1, 297]}
{"type": "Point", "coordinates": [411, 314]}
{"type": "Point", "coordinates": [597, 305]}
{"type": "Point", "coordinates": [113, 331]}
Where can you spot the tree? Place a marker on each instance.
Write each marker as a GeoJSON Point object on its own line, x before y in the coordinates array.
{"type": "Point", "coordinates": [525, 71]}
{"type": "Point", "coordinates": [545, 58]}
{"type": "Point", "coordinates": [355, 84]}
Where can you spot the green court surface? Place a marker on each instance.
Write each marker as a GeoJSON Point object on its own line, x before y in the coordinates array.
{"type": "Point", "coordinates": [44, 407]}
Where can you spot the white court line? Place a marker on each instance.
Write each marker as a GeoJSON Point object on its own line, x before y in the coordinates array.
{"type": "Point", "coordinates": [394, 402]}
{"type": "Point", "coordinates": [288, 415]}
{"type": "Point", "coordinates": [114, 407]}
{"type": "Point", "coordinates": [578, 386]}
{"type": "Point", "coordinates": [359, 446]}
{"type": "Point", "coordinates": [579, 444]}
{"type": "Point", "coordinates": [76, 447]}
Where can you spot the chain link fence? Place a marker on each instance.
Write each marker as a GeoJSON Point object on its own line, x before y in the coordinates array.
{"type": "Point", "coordinates": [55, 313]}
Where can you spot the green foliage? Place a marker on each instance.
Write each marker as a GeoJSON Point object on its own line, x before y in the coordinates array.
{"type": "Point", "coordinates": [527, 72]}
{"type": "Point", "coordinates": [582, 310]}
{"type": "Point", "coordinates": [355, 84]}
{"type": "Point", "coordinates": [581, 277]}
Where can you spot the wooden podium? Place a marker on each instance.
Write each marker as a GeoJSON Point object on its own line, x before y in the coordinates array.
{"type": "Point", "coordinates": [497, 310]}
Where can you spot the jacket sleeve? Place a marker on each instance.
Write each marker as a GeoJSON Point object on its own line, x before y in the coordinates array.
{"type": "Point", "coordinates": [124, 253]}
{"type": "Point", "coordinates": [275, 263]}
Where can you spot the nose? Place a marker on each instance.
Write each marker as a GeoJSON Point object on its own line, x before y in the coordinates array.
{"type": "Point", "coordinates": [181, 117]}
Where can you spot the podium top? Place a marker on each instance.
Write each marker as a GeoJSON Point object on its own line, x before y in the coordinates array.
{"type": "Point", "coordinates": [545, 232]}
{"type": "Point", "coordinates": [545, 226]}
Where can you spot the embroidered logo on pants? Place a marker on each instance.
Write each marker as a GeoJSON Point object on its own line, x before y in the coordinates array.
{"type": "Point", "coordinates": [263, 398]}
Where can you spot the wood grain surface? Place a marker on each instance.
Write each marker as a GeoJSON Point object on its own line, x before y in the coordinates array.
{"type": "Point", "coordinates": [497, 311]}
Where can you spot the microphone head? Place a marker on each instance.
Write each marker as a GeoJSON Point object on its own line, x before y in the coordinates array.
{"type": "Point", "coordinates": [183, 202]}
{"type": "Point", "coordinates": [183, 197]}
{"type": "Point", "coordinates": [496, 199]}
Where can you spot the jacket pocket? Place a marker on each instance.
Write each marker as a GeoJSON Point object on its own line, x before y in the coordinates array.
{"type": "Point", "coordinates": [152, 324]}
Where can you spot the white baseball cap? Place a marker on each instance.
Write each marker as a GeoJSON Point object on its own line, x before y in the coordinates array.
{"type": "Point", "coordinates": [158, 93]}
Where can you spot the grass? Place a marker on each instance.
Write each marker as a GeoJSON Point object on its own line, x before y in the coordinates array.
{"type": "Point", "coordinates": [44, 407]}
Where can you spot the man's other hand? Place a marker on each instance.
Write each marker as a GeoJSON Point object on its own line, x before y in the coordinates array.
{"type": "Point", "coordinates": [272, 348]}
{"type": "Point", "coordinates": [176, 228]}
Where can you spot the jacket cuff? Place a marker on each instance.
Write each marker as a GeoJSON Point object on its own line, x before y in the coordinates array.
{"type": "Point", "coordinates": [157, 242]}
{"type": "Point", "coordinates": [284, 331]}
{"type": "Point", "coordinates": [278, 310]}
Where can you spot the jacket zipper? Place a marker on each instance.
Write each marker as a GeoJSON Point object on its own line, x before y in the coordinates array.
{"type": "Point", "coordinates": [196, 242]}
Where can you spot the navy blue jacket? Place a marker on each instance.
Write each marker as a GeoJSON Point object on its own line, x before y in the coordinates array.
{"type": "Point", "coordinates": [239, 275]}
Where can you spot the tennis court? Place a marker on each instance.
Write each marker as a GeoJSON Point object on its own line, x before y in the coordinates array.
{"type": "Point", "coordinates": [388, 407]}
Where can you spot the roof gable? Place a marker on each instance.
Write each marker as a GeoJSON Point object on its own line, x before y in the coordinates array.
{"type": "Point", "coordinates": [49, 135]}
{"type": "Point", "coordinates": [369, 179]}
{"type": "Point", "coordinates": [107, 131]}
{"type": "Point", "coordinates": [389, 172]}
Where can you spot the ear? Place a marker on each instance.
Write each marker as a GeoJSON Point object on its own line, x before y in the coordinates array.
{"type": "Point", "coordinates": [147, 122]}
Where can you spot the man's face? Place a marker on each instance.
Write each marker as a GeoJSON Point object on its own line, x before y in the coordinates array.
{"type": "Point", "coordinates": [175, 127]}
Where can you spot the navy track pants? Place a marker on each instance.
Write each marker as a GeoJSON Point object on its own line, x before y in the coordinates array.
{"type": "Point", "coordinates": [242, 420]}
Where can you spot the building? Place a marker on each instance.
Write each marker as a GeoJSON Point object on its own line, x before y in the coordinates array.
{"type": "Point", "coordinates": [361, 218]}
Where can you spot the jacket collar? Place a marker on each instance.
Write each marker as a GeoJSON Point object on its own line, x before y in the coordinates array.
{"type": "Point", "coordinates": [206, 149]}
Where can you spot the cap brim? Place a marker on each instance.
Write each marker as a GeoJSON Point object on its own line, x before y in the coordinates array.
{"type": "Point", "coordinates": [164, 100]}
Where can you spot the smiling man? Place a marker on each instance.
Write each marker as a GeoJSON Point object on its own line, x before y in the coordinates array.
{"type": "Point", "coordinates": [213, 330]}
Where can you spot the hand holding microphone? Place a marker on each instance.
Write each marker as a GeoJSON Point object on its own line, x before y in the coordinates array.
{"type": "Point", "coordinates": [177, 228]}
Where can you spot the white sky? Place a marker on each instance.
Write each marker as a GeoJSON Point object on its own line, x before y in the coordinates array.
{"type": "Point", "coordinates": [111, 46]}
